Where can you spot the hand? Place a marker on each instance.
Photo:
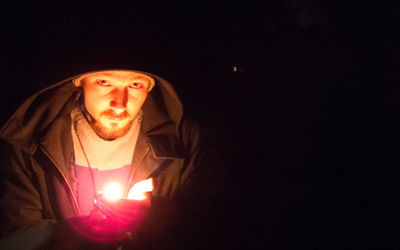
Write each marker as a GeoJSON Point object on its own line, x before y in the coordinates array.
{"type": "Point", "coordinates": [112, 220]}
{"type": "Point", "coordinates": [121, 214]}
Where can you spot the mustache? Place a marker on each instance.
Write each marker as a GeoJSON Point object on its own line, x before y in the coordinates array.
{"type": "Point", "coordinates": [112, 114]}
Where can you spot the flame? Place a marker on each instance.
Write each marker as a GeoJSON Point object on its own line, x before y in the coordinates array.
{"type": "Point", "coordinates": [138, 190]}
{"type": "Point", "coordinates": [112, 192]}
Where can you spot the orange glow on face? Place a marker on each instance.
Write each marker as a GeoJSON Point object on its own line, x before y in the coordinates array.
{"type": "Point", "coordinates": [112, 191]}
{"type": "Point", "coordinates": [113, 99]}
{"type": "Point", "coordinates": [138, 190]}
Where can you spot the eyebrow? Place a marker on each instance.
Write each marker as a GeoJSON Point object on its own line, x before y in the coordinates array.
{"type": "Point", "coordinates": [142, 78]}
{"type": "Point", "coordinates": [135, 77]}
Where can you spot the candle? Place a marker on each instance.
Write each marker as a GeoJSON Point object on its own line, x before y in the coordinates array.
{"type": "Point", "coordinates": [112, 192]}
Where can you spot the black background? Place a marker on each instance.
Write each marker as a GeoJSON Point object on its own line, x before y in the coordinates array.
{"type": "Point", "coordinates": [307, 123]}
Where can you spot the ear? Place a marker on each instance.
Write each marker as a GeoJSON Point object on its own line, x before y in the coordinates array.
{"type": "Point", "coordinates": [151, 85]}
{"type": "Point", "coordinates": [78, 81]}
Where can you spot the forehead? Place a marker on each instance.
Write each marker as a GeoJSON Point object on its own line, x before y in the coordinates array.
{"type": "Point", "coordinates": [117, 75]}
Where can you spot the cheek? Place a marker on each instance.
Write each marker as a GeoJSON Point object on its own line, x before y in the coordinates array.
{"type": "Point", "coordinates": [135, 102]}
{"type": "Point", "coordinates": [95, 103]}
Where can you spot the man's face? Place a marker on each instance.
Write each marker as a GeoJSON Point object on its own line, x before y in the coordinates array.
{"type": "Point", "coordinates": [113, 99]}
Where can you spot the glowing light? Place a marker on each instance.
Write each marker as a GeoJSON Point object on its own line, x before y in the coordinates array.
{"type": "Point", "coordinates": [112, 192]}
{"type": "Point", "coordinates": [139, 190]}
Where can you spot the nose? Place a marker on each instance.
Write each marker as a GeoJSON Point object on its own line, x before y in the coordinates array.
{"type": "Point", "coordinates": [119, 99]}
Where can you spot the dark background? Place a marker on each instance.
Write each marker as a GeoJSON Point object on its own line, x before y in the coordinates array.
{"type": "Point", "coordinates": [307, 123]}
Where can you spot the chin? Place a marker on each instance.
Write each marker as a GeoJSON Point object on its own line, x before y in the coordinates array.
{"type": "Point", "coordinates": [111, 131]}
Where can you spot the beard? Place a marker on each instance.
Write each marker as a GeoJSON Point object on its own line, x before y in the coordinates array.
{"type": "Point", "coordinates": [112, 129]}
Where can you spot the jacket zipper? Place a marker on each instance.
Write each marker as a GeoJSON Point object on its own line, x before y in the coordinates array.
{"type": "Point", "coordinates": [134, 172]}
{"type": "Point", "coordinates": [65, 179]}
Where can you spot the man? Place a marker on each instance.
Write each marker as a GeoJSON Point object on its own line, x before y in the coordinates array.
{"type": "Point", "coordinates": [65, 143]}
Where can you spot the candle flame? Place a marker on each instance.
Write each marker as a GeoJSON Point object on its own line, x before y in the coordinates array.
{"type": "Point", "coordinates": [112, 192]}
{"type": "Point", "coordinates": [138, 190]}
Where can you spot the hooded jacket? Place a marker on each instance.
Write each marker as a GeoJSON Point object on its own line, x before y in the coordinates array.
{"type": "Point", "coordinates": [37, 192]}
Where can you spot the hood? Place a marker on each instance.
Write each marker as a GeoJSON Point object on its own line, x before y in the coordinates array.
{"type": "Point", "coordinates": [162, 112]}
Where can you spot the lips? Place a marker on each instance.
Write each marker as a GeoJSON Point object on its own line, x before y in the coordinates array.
{"type": "Point", "coordinates": [111, 115]}
{"type": "Point", "coordinates": [116, 118]}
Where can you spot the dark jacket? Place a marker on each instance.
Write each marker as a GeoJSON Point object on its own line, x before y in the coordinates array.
{"type": "Point", "coordinates": [38, 185]}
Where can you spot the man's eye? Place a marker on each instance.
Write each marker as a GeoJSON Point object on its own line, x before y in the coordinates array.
{"type": "Point", "coordinates": [136, 85]}
{"type": "Point", "coordinates": [102, 82]}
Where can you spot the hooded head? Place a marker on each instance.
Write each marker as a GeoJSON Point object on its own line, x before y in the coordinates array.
{"type": "Point", "coordinates": [49, 110]}
{"type": "Point", "coordinates": [112, 99]}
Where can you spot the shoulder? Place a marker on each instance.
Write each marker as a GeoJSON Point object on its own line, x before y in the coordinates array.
{"type": "Point", "coordinates": [196, 134]}
{"type": "Point", "coordinates": [8, 149]}
{"type": "Point", "coordinates": [189, 133]}
{"type": "Point", "coordinates": [205, 132]}
{"type": "Point", "coordinates": [189, 128]}
{"type": "Point", "coordinates": [13, 159]}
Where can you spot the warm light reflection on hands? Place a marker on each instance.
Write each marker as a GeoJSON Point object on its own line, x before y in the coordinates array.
{"type": "Point", "coordinates": [115, 217]}
{"type": "Point", "coordinates": [139, 190]}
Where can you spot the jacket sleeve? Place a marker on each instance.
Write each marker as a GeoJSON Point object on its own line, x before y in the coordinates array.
{"type": "Point", "coordinates": [23, 223]}
{"type": "Point", "coordinates": [20, 202]}
{"type": "Point", "coordinates": [203, 198]}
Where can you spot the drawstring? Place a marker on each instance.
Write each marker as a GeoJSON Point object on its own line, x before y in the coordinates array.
{"type": "Point", "coordinates": [87, 160]}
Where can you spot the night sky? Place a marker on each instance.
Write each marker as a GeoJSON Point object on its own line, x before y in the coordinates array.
{"type": "Point", "coordinates": [301, 98]}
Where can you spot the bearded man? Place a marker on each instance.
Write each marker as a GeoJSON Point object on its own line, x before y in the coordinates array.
{"type": "Point", "coordinates": [65, 144]}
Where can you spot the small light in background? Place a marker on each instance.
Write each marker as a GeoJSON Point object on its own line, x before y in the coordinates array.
{"type": "Point", "coordinates": [240, 69]}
